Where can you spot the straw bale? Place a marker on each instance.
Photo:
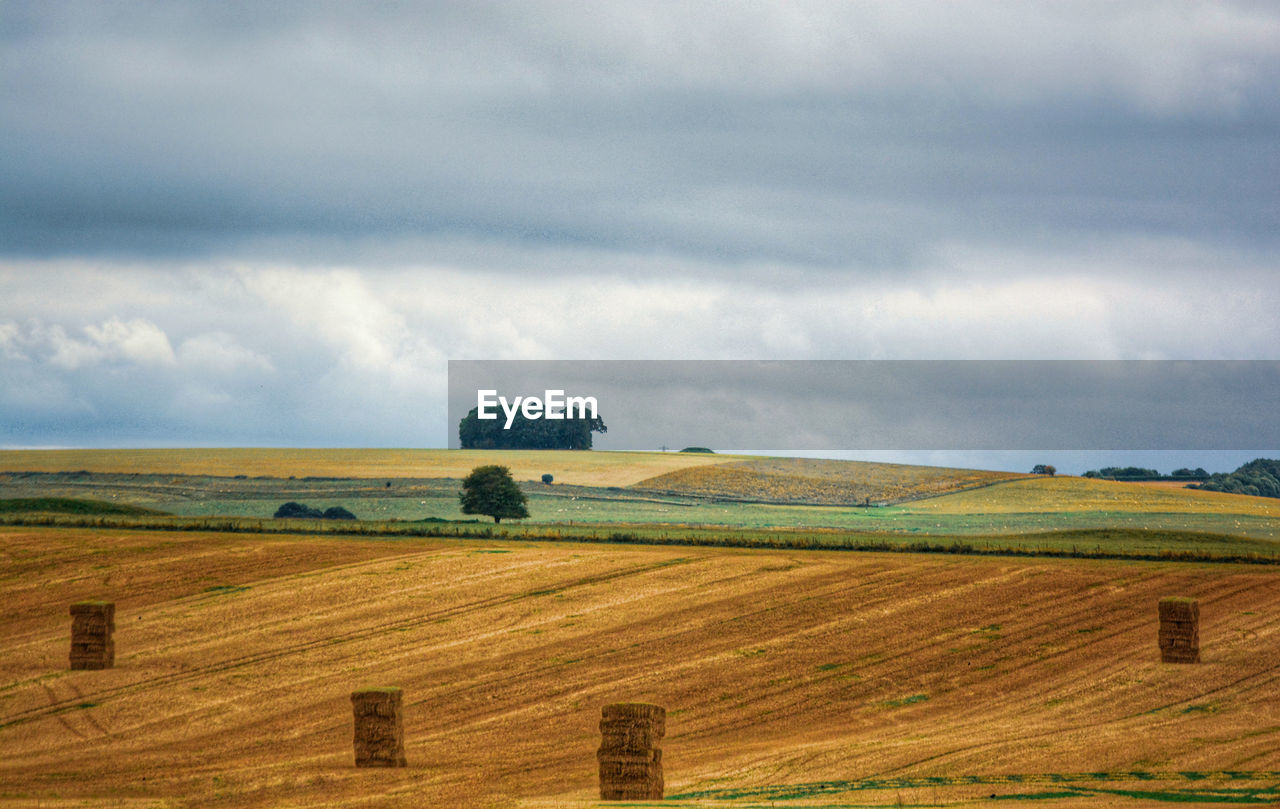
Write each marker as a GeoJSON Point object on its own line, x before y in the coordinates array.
{"type": "Point", "coordinates": [615, 766]}
{"type": "Point", "coordinates": [1179, 634]}
{"type": "Point", "coordinates": [635, 740]}
{"type": "Point", "coordinates": [1179, 641]}
{"type": "Point", "coordinates": [630, 754]}
{"type": "Point", "coordinates": [379, 727]}
{"type": "Point", "coordinates": [634, 711]}
{"type": "Point", "coordinates": [640, 790]}
{"type": "Point", "coordinates": [1179, 609]}
{"type": "Point", "coordinates": [92, 624]}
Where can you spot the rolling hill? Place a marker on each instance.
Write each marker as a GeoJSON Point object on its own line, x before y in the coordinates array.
{"type": "Point", "coordinates": [791, 679]}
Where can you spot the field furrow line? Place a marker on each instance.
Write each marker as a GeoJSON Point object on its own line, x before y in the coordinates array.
{"type": "Point", "coordinates": [365, 633]}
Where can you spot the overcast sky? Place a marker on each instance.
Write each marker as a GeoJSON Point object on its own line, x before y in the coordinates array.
{"type": "Point", "coordinates": [274, 223]}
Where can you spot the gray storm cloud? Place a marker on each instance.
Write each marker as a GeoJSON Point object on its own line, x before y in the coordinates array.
{"type": "Point", "coordinates": [274, 223]}
{"type": "Point", "coordinates": [833, 134]}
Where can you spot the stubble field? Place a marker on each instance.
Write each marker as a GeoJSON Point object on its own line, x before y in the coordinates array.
{"type": "Point", "coordinates": [806, 678]}
{"type": "Point", "coordinates": [582, 468]}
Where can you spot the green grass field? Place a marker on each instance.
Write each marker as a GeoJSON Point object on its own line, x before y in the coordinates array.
{"type": "Point", "coordinates": [980, 509]}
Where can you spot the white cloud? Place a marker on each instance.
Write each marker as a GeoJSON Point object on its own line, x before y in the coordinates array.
{"type": "Point", "coordinates": [135, 341]}
{"type": "Point", "coordinates": [220, 352]}
{"type": "Point", "coordinates": [67, 352]}
{"type": "Point", "coordinates": [321, 355]}
{"type": "Point", "coordinates": [365, 326]}
{"type": "Point", "coordinates": [9, 342]}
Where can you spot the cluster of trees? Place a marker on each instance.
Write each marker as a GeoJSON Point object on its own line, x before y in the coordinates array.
{"type": "Point", "coordinates": [1140, 473]}
{"type": "Point", "coordinates": [1259, 477]}
{"type": "Point", "coordinates": [1044, 469]}
{"type": "Point", "coordinates": [525, 433]}
{"type": "Point", "coordinates": [293, 510]}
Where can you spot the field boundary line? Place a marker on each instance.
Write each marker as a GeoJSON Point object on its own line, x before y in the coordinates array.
{"type": "Point", "coordinates": [799, 540]}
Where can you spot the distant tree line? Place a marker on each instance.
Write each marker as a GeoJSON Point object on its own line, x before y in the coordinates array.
{"type": "Point", "coordinates": [525, 433]}
{"type": "Point", "coordinates": [1140, 473]}
{"type": "Point", "coordinates": [1259, 477]}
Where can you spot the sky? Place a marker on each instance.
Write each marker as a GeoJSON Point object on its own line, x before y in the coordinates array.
{"type": "Point", "coordinates": [248, 224]}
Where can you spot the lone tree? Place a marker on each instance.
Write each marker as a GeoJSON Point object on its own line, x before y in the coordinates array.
{"type": "Point", "coordinates": [490, 490]}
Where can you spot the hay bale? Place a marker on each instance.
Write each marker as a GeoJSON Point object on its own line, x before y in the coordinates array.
{"type": "Point", "coordinates": [93, 624]}
{"type": "Point", "coordinates": [379, 727]}
{"type": "Point", "coordinates": [1179, 635]}
{"type": "Point", "coordinates": [1175, 608]}
{"type": "Point", "coordinates": [630, 754]}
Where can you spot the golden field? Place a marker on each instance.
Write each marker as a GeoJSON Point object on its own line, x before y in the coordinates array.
{"type": "Point", "coordinates": [819, 481]}
{"type": "Point", "coordinates": [790, 678]}
{"type": "Point", "coordinates": [1072, 494]}
{"type": "Point", "coordinates": [581, 468]}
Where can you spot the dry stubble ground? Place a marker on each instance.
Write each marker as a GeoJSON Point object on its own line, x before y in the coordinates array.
{"type": "Point", "coordinates": [236, 656]}
{"type": "Point", "coordinates": [580, 468]}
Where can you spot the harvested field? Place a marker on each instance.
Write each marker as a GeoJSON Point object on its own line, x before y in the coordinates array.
{"type": "Point", "coordinates": [811, 678]}
{"type": "Point", "coordinates": [818, 481]}
{"type": "Point", "coordinates": [591, 468]}
{"type": "Point", "coordinates": [1070, 494]}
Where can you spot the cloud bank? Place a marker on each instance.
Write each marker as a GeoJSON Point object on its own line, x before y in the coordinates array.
{"type": "Point", "coordinates": [248, 224]}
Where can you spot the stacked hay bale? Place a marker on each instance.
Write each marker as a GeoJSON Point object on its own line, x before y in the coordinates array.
{"type": "Point", "coordinates": [1179, 630]}
{"type": "Point", "coordinates": [379, 737]}
{"type": "Point", "coordinates": [92, 624]}
{"type": "Point", "coordinates": [630, 752]}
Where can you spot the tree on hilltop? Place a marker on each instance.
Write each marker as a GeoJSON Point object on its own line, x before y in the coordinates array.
{"type": "Point", "coordinates": [491, 491]}
{"type": "Point", "coordinates": [525, 433]}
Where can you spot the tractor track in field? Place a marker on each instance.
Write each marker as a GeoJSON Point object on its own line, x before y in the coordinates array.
{"type": "Point", "coordinates": [364, 633]}
{"type": "Point", "coordinates": [531, 672]}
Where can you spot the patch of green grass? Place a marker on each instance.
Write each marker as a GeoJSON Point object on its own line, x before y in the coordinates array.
{"type": "Point", "coordinates": [69, 505]}
{"type": "Point", "coordinates": [1085, 785]}
{"type": "Point", "coordinates": [1053, 518]}
{"type": "Point", "coordinates": [226, 589]}
{"type": "Point", "coordinates": [902, 701]}
{"type": "Point", "coordinates": [1127, 544]}
{"type": "Point", "coordinates": [1040, 795]}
